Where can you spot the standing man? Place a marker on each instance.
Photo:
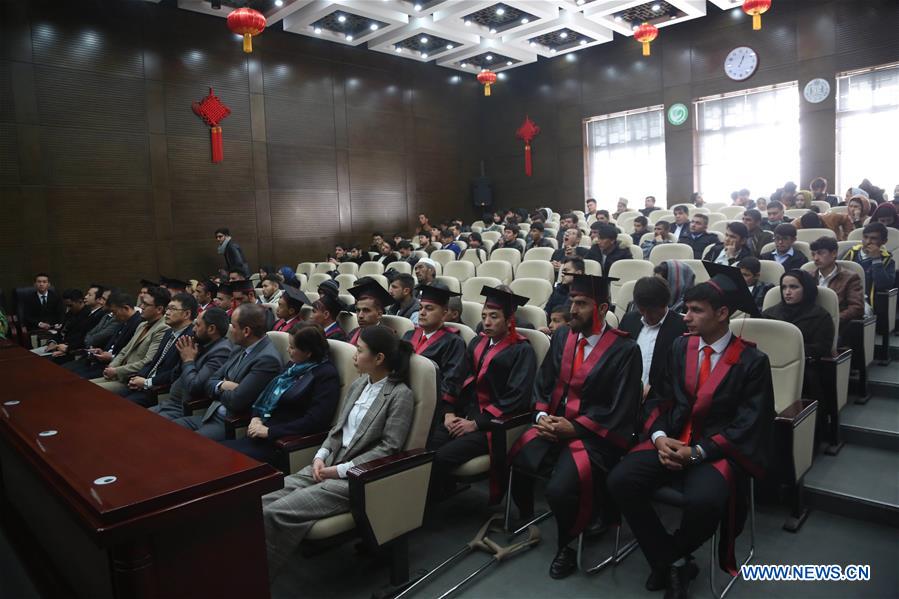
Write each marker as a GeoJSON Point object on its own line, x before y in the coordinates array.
{"type": "Point", "coordinates": [716, 431]}
{"type": "Point", "coordinates": [234, 258]}
{"type": "Point", "coordinates": [371, 301]}
{"type": "Point", "coordinates": [587, 395]}
{"type": "Point", "coordinates": [43, 309]}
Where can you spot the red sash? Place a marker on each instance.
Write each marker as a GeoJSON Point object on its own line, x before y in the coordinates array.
{"type": "Point", "coordinates": [354, 338]}
{"type": "Point", "coordinates": [284, 325]}
{"type": "Point", "coordinates": [420, 348]}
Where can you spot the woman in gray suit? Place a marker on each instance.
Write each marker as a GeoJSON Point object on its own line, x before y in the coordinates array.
{"type": "Point", "coordinates": [374, 423]}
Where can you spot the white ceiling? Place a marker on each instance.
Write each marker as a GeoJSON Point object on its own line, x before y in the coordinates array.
{"type": "Point", "coordinates": [467, 35]}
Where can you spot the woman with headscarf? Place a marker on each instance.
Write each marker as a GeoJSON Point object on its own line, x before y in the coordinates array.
{"type": "Point", "coordinates": [680, 277]}
{"type": "Point", "coordinates": [290, 277]}
{"type": "Point", "coordinates": [858, 208]}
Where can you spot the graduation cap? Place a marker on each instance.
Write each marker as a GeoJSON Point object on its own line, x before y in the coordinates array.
{"type": "Point", "coordinates": [225, 288]}
{"type": "Point", "coordinates": [148, 283]}
{"type": "Point", "coordinates": [436, 294]}
{"type": "Point", "coordinates": [210, 286]}
{"type": "Point", "coordinates": [506, 301]}
{"type": "Point", "coordinates": [295, 298]}
{"type": "Point", "coordinates": [594, 287]}
{"type": "Point", "coordinates": [730, 285]}
{"type": "Point", "coordinates": [243, 286]}
{"type": "Point", "coordinates": [175, 284]}
{"type": "Point", "coordinates": [371, 289]}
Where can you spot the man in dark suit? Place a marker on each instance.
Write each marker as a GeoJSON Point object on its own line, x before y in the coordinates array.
{"type": "Point", "coordinates": [654, 327]}
{"type": "Point", "coordinates": [699, 237]}
{"type": "Point", "coordinates": [784, 253]}
{"type": "Point", "coordinates": [159, 373]}
{"type": "Point", "coordinates": [42, 309]}
{"type": "Point", "coordinates": [201, 355]}
{"type": "Point", "coordinates": [650, 203]}
{"type": "Point", "coordinates": [681, 226]}
{"type": "Point", "coordinates": [239, 381]}
{"type": "Point", "coordinates": [733, 249]}
{"type": "Point", "coordinates": [570, 248]}
{"type": "Point", "coordinates": [121, 305]}
{"type": "Point", "coordinates": [605, 248]}
{"type": "Point", "coordinates": [234, 258]}
{"type": "Point", "coordinates": [78, 324]}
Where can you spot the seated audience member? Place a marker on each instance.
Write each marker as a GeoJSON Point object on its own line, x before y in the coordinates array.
{"type": "Point", "coordinates": [425, 271]}
{"type": "Point", "coordinates": [567, 222]}
{"type": "Point", "coordinates": [356, 255]}
{"type": "Point", "coordinates": [857, 210]}
{"type": "Point", "coordinates": [299, 401]}
{"type": "Point", "coordinates": [454, 310]}
{"type": "Point", "coordinates": [570, 248]}
{"type": "Point", "coordinates": [654, 327]}
{"type": "Point", "coordinates": [680, 278]}
{"type": "Point", "coordinates": [761, 204]}
{"type": "Point", "coordinates": [404, 302]}
{"type": "Point", "coordinates": [289, 276]}
{"type": "Point", "coordinates": [620, 208]}
{"type": "Point", "coordinates": [243, 292]}
{"type": "Point", "coordinates": [448, 242]}
{"type": "Point", "coordinates": [82, 322]}
{"type": "Point", "coordinates": [201, 355]}
{"type": "Point", "coordinates": [4, 326]}
{"type": "Point", "coordinates": [886, 215]}
{"type": "Point", "coordinates": [424, 243]}
{"type": "Point", "coordinates": [205, 293]}
{"type": "Point", "coordinates": [650, 206]}
{"type": "Point", "coordinates": [681, 226]}
{"type": "Point", "coordinates": [803, 199]}
{"type": "Point", "coordinates": [847, 285]}
{"type": "Point", "coordinates": [591, 207]}
{"type": "Point", "coordinates": [757, 237]}
{"type": "Point", "coordinates": [570, 266]}
{"type": "Point", "coordinates": [371, 301]}
{"type": "Point", "coordinates": [164, 367]}
{"type": "Point", "coordinates": [386, 255]}
{"type": "Point", "coordinates": [698, 237]}
{"type": "Point", "coordinates": [340, 255]}
{"type": "Point", "coordinates": [558, 318]}
{"type": "Point", "coordinates": [325, 311]}
{"type": "Point", "coordinates": [224, 299]}
{"type": "Point", "coordinates": [602, 216]}
{"type": "Point", "coordinates": [819, 190]}
{"type": "Point", "coordinates": [775, 211]}
{"type": "Point", "coordinates": [241, 378]}
{"type": "Point", "coordinates": [535, 238]}
{"type": "Point", "coordinates": [788, 195]}
{"type": "Point", "coordinates": [641, 227]}
{"type": "Point", "coordinates": [660, 235]}
{"type": "Point", "coordinates": [499, 385]}
{"type": "Point", "coordinates": [476, 243]}
{"type": "Point", "coordinates": [494, 222]}
{"type": "Point", "coordinates": [289, 312]}
{"type": "Point", "coordinates": [690, 442]}
{"type": "Point", "coordinates": [43, 309]}
{"type": "Point", "coordinates": [744, 198]}
{"type": "Point", "coordinates": [236, 275]}
{"type": "Point", "coordinates": [880, 268]}
{"type": "Point", "coordinates": [734, 247]}
{"type": "Point", "coordinates": [73, 316]}
{"type": "Point", "coordinates": [377, 242]}
{"type": "Point", "coordinates": [106, 326]}
{"type": "Point", "coordinates": [784, 253]}
{"type": "Point", "coordinates": [840, 224]}
{"type": "Point", "coordinates": [381, 398]}
{"type": "Point", "coordinates": [510, 239]}
{"type": "Point", "coordinates": [127, 318]}
{"type": "Point", "coordinates": [751, 269]}
{"type": "Point", "coordinates": [271, 290]}
{"type": "Point", "coordinates": [605, 249]}
{"type": "Point", "coordinates": [405, 249]}
{"type": "Point", "coordinates": [696, 199]}
{"type": "Point", "coordinates": [143, 344]}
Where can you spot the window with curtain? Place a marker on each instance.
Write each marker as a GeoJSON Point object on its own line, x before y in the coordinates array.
{"type": "Point", "coordinates": [867, 127]}
{"type": "Point", "coordinates": [625, 157]}
{"type": "Point", "coordinates": [747, 139]}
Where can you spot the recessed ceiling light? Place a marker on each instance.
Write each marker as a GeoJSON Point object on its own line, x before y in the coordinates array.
{"type": "Point", "coordinates": [563, 35]}
{"type": "Point", "coordinates": [656, 8]}
{"type": "Point", "coordinates": [509, 63]}
{"type": "Point", "coordinates": [672, 17]}
{"type": "Point", "coordinates": [349, 37]}
{"type": "Point", "coordinates": [417, 7]}
{"type": "Point", "coordinates": [450, 46]}
{"type": "Point", "coordinates": [467, 23]}
{"type": "Point", "coordinates": [373, 26]}
{"type": "Point", "coordinates": [618, 19]}
{"type": "Point", "coordinates": [583, 42]}
{"type": "Point", "coordinates": [279, 3]}
{"type": "Point", "coordinates": [552, 50]}
{"type": "Point", "coordinates": [488, 57]}
{"type": "Point", "coordinates": [634, 27]}
{"type": "Point", "coordinates": [341, 19]}
{"type": "Point", "coordinates": [581, 2]}
{"type": "Point", "coordinates": [500, 11]}
{"type": "Point", "coordinates": [525, 21]}
{"type": "Point", "coordinates": [423, 39]}
{"type": "Point", "coordinates": [424, 54]}
{"type": "Point", "coordinates": [501, 76]}
{"type": "Point", "coordinates": [492, 30]}
{"type": "Point", "coordinates": [397, 49]}
{"type": "Point", "coordinates": [464, 65]}
{"type": "Point", "coordinates": [318, 30]}
{"type": "Point", "coordinates": [533, 44]}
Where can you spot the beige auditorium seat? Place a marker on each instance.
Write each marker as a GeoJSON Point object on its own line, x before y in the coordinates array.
{"type": "Point", "coordinates": [281, 341]}
{"type": "Point", "coordinates": [498, 269]}
{"type": "Point", "coordinates": [553, 242]}
{"type": "Point", "coordinates": [691, 209]}
{"type": "Point", "coordinates": [324, 267]}
{"type": "Point", "coordinates": [580, 214]}
{"type": "Point", "coordinates": [592, 267]}
{"type": "Point", "coordinates": [670, 251]}
{"type": "Point", "coordinates": [628, 270]}
{"type": "Point", "coordinates": [699, 272]}
{"type": "Point", "coordinates": [443, 257]}
{"type": "Point", "coordinates": [770, 272]}
{"type": "Point", "coordinates": [420, 254]}
{"type": "Point", "coordinates": [305, 268]}
{"type": "Point", "coordinates": [539, 254]}
{"type": "Point", "coordinates": [612, 318]}
{"type": "Point", "coordinates": [794, 429]}
{"type": "Point", "coordinates": [466, 332]}
{"type": "Point", "coordinates": [625, 240]}
{"type": "Point", "coordinates": [636, 252]}
{"type": "Point", "coordinates": [715, 206]}
{"type": "Point", "coordinates": [452, 283]}
{"type": "Point", "coordinates": [345, 282]}
{"type": "Point", "coordinates": [715, 217]}
{"type": "Point", "coordinates": [585, 241]}
{"type": "Point", "coordinates": [810, 235]}
{"type": "Point", "coordinates": [822, 206]}
{"type": "Point", "coordinates": [348, 268]}
{"type": "Point", "coordinates": [313, 297]}
{"type": "Point", "coordinates": [536, 290]}
{"type": "Point", "coordinates": [463, 245]}
{"type": "Point", "coordinates": [348, 322]}
{"type": "Point", "coordinates": [471, 289]}
{"type": "Point", "coordinates": [400, 266]}
{"type": "Point", "coordinates": [524, 227]}
{"type": "Point", "coordinates": [833, 370]}
{"type": "Point", "coordinates": [478, 223]}
{"type": "Point", "coordinates": [539, 343]}
{"type": "Point", "coordinates": [720, 226]}
{"type": "Point", "coordinates": [798, 246]}
{"type": "Point", "coordinates": [707, 250]}
{"type": "Point", "coordinates": [492, 236]}
{"type": "Point", "coordinates": [476, 255]}
{"type": "Point", "coordinates": [398, 324]}
{"type": "Point", "coordinates": [732, 212]}
{"type": "Point", "coordinates": [532, 315]}
{"type": "Point", "coordinates": [794, 213]}
{"type": "Point", "coordinates": [510, 255]}
{"type": "Point", "coordinates": [657, 215]}
{"type": "Point", "coordinates": [346, 299]}
{"type": "Point", "coordinates": [471, 313]}
{"type": "Point", "coordinates": [462, 270]}
{"type": "Point", "coordinates": [625, 221]}
{"type": "Point", "coordinates": [622, 300]}
{"type": "Point", "coordinates": [370, 268]}
{"type": "Point", "coordinates": [839, 209]}
{"type": "Point", "coordinates": [891, 245]}
{"type": "Point", "coordinates": [845, 246]}
{"type": "Point", "coordinates": [315, 280]}
{"type": "Point", "coordinates": [536, 269]}
{"type": "Point", "coordinates": [380, 279]}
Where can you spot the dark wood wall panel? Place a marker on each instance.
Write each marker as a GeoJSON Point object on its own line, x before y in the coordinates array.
{"type": "Point", "coordinates": [303, 213]}
{"type": "Point", "coordinates": [9, 155]}
{"type": "Point", "coordinates": [101, 158]}
{"type": "Point", "coordinates": [295, 167]}
{"type": "Point", "coordinates": [83, 43]}
{"type": "Point", "coordinates": [98, 216]}
{"type": "Point", "coordinates": [298, 78]}
{"type": "Point", "coordinates": [295, 122]}
{"type": "Point", "coordinates": [197, 214]}
{"type": "Point", "coordinates": [191, 167]}
{"type": "Point", "coordinates": [378, 190]}
{"type": "Point", "coordinates": [7, 103]}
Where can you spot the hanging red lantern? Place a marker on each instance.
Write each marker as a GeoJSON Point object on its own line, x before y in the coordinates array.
{"type": "Point", "coordinates": [527, 132]}
{"type": "Point", "coordinates": [246, 22]}
{"type": "Point", "coordinates": [486, 78]}
{"type": "Point", "coordinates": [212, 111]}
{"type": "Point", "coordinates": [644, 34]}
{"type": "Point", "coordinates": [756, 8]}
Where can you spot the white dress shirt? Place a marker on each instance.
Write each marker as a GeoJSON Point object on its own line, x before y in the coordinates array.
{"type": "Point", "coordinates": [646, 340]}
{"type": "Point", "coordinates": [357, 414]}
{"type": "Point", "coordinates": [592, 340]}
{"type": "Point", "coordinates": [781, 258]}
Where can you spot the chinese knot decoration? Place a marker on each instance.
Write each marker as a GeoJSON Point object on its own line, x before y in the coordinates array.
{"type": "Point", "coordinates": [644, 34]}
{"type": "Point", "coordinates": [212, 111]}
{"type": "Point", "coordinates": [527, 132]}
{"type": "Point", "coordinates": [756, 8]}
{"type": "Point", "coordinates": [246, 22]}
{"type": "Point", "coordinates": [486, 78]}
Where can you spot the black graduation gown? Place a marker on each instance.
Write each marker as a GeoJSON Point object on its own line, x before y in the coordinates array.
{"type": "Point", "coordinates": [446, 349]}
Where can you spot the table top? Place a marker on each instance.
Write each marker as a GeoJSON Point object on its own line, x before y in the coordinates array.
{"type": "Point", "coordinates": [76, 435]}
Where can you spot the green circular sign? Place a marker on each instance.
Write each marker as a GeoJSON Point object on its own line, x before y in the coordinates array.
{"type": "Point", "coordinates": [677, 114]}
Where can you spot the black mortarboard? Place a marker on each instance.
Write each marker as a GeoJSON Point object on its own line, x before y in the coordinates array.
{"type": "Point", "coordinates": [436, 294]}
{"type": "Point", "coordinates": [225, 288]}
{"type": "Point", "coordinates": [594, 287]}
{"type": "Point", "coordinates": [729, 283]}
{"type": "Point", "coordinates": [370, 288]}
{"type": "Point", "coordinates": [210, 286]}
{"type": "Point", "coordinates": [176, 284]}
{"type": "Point", "coordinates": [148, 283]}
{"type": "Point", "coordinates": [295, 298]}
{"type": "Point", "coordinates": [504, 300]}
{"type": "Point", "coordinates": [243, 286]}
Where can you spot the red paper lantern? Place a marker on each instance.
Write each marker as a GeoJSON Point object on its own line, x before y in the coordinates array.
{"type": "Point", "coordinates": [246, 22]}
{"type": "Point", "coordinates": [212, 111]}
{"type": "Point", "coordinates": [644, 34]}
{"type": "Point", "coordinates": [486, 78]}
{"type": "Point", "coordinates": [527, 132]}
{"type": "Point", "coordinates": [756, 8]}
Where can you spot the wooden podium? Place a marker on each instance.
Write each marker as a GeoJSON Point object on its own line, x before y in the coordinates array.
{"type": "Point", "coordinates": [121, 501]}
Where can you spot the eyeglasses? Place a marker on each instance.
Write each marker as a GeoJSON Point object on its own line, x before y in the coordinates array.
{"type": "Point", "coordinates": [171, 309]}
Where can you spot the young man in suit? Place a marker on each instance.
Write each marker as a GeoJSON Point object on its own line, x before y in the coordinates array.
{"type": "Point", "coordinates": [751, 270]}
{"type": "Point", "coordinates": [698, 237]}
{"type": "Point", "coordinates": [127, 318]}
{"type": "Point", "coordinates": [75, 333]}
{"type": "Point", "coordinates": [42, 309]}
{"type": "Point", "coordinates": [681, 226]}
{"type": "Point", "coordinates": [158, 374]}
{"type": "Point", "coordinates": [239, 381]}
{"type": "Point", "coordinates": [289, 311]}
{"type": "Point", "coordinates": [234, 258]}
{"type": "Point", "coordinates": [587, 395]}
{"type": "Point", "coordinates": [712, 428]}
{"type": "Point", "coordinates": [201, 355]}
{"type": "Point", "coordinates": [784, 253]}
{"type": "Point", "coordinates": [650, 206]}
{"type": "Point", "coordinates": [734, 247]}
{"type": "Point", "coordinates": [106, 325]}
{"type": "Point", "coordinates": [605, 249]}
{"type": "Point", "coordinates": [326, 309]}
{"type": "Point", "coordinates": [371, 301]}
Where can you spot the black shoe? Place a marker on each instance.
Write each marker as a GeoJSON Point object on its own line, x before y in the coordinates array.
{"type": "Point", "coordinates": [679, 578]}
{"type": "Point", "coordinates": [658, 579]}
{"type": "Point", "coordinates": [564, 564]}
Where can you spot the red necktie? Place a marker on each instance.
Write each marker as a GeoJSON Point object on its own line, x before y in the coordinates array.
{"type": "Point", "coordinates": [579, 354]}
{"type": "Point", "coordinates": [705, 370]}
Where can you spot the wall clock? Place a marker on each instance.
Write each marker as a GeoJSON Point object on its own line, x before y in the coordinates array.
{"type": "Point", "coordinates": [741, 63]}
{"type": "Point", "coordinates": [816, 90]}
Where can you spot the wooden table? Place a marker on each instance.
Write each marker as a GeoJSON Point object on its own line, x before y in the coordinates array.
{"type": "Point", "coordinates": [182, 517]}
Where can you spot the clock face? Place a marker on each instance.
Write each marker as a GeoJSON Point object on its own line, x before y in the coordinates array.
{"type": "Point", "coordinates": [741, 63]}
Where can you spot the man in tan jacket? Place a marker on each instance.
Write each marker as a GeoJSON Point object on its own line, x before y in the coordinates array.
{"type": "Point", "coordinates": [847, 285]}
{"type": "Point", "coordinates": [143, 344]}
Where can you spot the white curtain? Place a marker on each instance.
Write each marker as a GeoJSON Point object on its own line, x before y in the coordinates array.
{"type": "Point", "coordinates": [626, 157]}
{"type": "Point", "coordinates": [868, 128]}
{"type": "Point", "coordinates": [747, 139]}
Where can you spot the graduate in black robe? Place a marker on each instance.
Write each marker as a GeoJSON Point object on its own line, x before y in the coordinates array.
{"type": "Point", "coordinates": [371, 300]}
{"type": "Point", "coordinates": [587, 400]}
{"type": "Point", "coordinates": [712, 428]}
{"type": "Point", "coordinates": [500, 385]}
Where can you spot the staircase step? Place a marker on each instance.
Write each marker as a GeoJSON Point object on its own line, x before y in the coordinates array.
{"type": "Point", "coordinates": [860, 482]}
{"type": "Point", "coordinates": [874, 424]}
{"type": "Point", "coordinates": [884, 380]}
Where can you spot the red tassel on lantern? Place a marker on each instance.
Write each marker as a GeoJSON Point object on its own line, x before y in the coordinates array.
{"type": "Point", "coordinates": [527, 132]}
{"type": "Point", "coordinates": [218, 152]}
